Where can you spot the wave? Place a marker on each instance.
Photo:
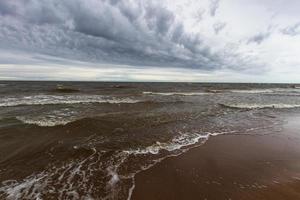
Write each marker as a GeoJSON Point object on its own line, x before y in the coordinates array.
{"type": "Point", "coordinates": [253, 91]}
{"type": "Point", "coordinates": [176, 143]}
{"type": "Point", "coordinates": [53, 118]}
{"type": "Point", "coordinates": [267, 91]}
{"type": "Point", "coordinates": [44, 122]}
{"type": "Point", "coordinates": [261, 106]}
{"type": "Point", "coordinates": [62, 99]}
{"type": "Point", "coordinates": [245, 91]}
{"type": "Point", "coordinates": [176, 93]}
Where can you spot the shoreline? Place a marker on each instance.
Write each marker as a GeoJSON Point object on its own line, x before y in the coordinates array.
{"type": "Point", "coordinates": [254, 166]}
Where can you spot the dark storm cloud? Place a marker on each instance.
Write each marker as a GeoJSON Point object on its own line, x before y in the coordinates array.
{"type": "Point", "coordinates": [138, 33]}
{"type": "Point", "coordinates": [292, 30]}
{"type": "Point", "coordinates": [7, 8]}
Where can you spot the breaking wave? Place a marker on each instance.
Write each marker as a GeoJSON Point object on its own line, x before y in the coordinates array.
{"type": "Point", "coordinates": [44, 122]}
{"type": "Point", "coordinates": [53, 118]}
{"type": "Point", "coordinates": [267, 91]}
{"type": "Point", "coordinates": [261, 106]}
{"type": "Point", "coordinates": [176, 93]}
{"type": "Point", "coordinates": [253, 91]}
{"type": "Point", "coordinates": [177, 143]}
{"type": "Point", "coordinates": [62, 99]}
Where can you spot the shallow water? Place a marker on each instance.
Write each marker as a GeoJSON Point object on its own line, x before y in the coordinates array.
{"type": "Point", "coordinates": [89, 140]}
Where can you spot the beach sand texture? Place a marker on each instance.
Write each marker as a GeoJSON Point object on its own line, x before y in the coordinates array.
{"type": "Point", "coordinates": [249, 167]}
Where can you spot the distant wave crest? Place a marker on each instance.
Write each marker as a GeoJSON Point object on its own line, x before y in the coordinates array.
{"type": "Point", "coordinates": [53, 118]}
{"type": "Point", "coordinates": [261, 106]}
{"type": "Point", "coordinates": [44, 122]}
{"type": "Point", "coordinates": [176, 93]}
{"type": "Point", "coordinates": [253, 91]}
{"type": "Point", "coordinates": [62, 99]}
{"type": "Point", "coordinates": [267, 91]}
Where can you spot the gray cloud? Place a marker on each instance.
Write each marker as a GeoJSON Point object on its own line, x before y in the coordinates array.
{"type": "Point", "coordinates": [199, 15]}
{"type": "Point", "coordinates": [219, 26]}
{"type": "Point", "coordinates": [292, 30]}
{"type": "Point", "coordinates": [260, 37]}
{"type": "Point", "coordinates": [214, 5]}
{"type": "Point", "coordinates": [138, 33]}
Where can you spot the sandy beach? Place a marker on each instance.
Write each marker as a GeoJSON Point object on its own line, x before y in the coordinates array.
{"type": "Point", "coordinates": [257, 166]}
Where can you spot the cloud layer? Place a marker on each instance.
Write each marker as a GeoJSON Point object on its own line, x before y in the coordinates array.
{"type": "Point", "coordinates": [143, 34]}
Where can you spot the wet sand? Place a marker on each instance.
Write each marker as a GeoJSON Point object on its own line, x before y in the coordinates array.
{"type": "Point", "coordinates": [258, 167]}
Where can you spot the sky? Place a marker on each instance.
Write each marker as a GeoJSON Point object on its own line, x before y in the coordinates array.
{"type": "Point", "coordinates": [150, 40]}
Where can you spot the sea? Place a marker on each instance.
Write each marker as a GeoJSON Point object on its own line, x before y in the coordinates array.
{"type": "Point", "coordinates": [88, 140]}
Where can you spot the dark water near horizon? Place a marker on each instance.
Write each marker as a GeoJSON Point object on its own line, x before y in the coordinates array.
{"type": "Point", "coordinates": [87, 140]}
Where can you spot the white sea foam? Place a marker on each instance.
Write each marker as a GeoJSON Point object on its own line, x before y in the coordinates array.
{"type": "Point", "coordinates": [52, 118]}
{"type": "Point", "coordinates": [179, 142]}
{"type": "Point", "coordinates": [267, 91]}
{"type": "Point", "coordinates": [261, 106]}
{"type": "Point", "coordinates": [176, 93]}
{"type": "Point", "coordinates": [69, 178]}
{"type": "Point", "coordinates": [253, 91]}
{"type": "Point", "coordinates": [45, 122]}
{"type": "Point", "coordinates": [295, 90]}
{"type": "Point", "coordinates": [61, 99]}
{"type": "Point", "coordinates": [14, 189]}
